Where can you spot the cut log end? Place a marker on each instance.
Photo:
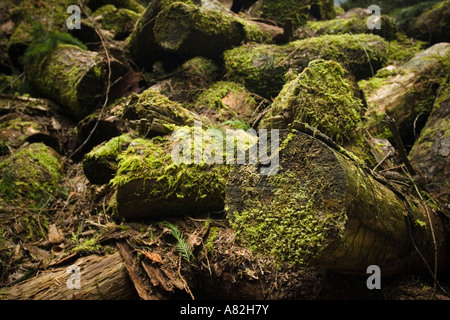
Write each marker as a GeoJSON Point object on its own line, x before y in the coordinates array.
{"type": "Point", "coordinates": [322, 209]}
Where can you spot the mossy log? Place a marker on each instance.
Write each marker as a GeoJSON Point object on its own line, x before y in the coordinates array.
{"type": "Point", "coordinates": [100, 164]}
{"type": "Point", "coordinates": [188, 80]}
{"type": "Point", "coordinates": [148, 114]}
{"type": "Point", "coordinates": [355, 25]}
{"type": "Point", "coordinates": [296, 11]}
{"type": "Point", "coordinates": [188, 29]}
{"type": "Point", "coordinates": [120, 21]}
{"type": "Point", "coordinates": [75, 78]}
{"type": "Point", "coordinates": [30, 175]}
{"type": "Point", "coordinates": [262, 68]}
{"type": "Point", "coordinates": [324, 95]}
{"type": "Point", "coordinates": [101, 278]}
{"type": "Point", "coordinates": [406, 93]}
{"type": "Point", "coordinates": [322, 209]}
{"type": "Point", "coordinates": [432, 25]}
{"type": "Point", "coordinates": [430, 154]}
{"type": "Point", "coordinates": [151, 185]}
{"type": "Point", "coordinates": [227, 102]}
{"type": "Point", "coordinates": [180, 27]}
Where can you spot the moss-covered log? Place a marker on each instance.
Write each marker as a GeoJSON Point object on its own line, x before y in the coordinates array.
{"type": "Point", "coordinates": [30, 175]}
{"type": "Point", "coordinates": [101, 278]}
{"type": "Point", "coordinates": [100, 164]}
{"type": "Point", "coordinates": [262, 68]}
{"type": "Point", "coordinates": [147, 114]}
{"type": "Point", "coordinates": [52, 15]}
{"type": "Point", "coordinates": [406, 93]}
{"type": "Point", "coordinates": [355, 24]}
{"type": "Point", "coordinates": [188, 80]}
{"type": "Point", "coordinates": [151, 184]}
{"type": "Point", "coordinates": [152, 113]}
{"type": "Point", "coordinates": [324, 95]}
{"type": "Point", "coordinates": [431, 152]}
{"type": "Point", "coordinates": [120, 21]}
{"type": "Point", "coordinates": [323, 209]}
{"type": "Point", "coordinates": [73, 77]}
{"type": "Point", "coordinates": [170, 26]}
{"type": "Point", "coordinates": [227, 102]}
{"type": "Point", "coordinates": [297, 11]}
{"type": "Point", "coordinates": [432, 25]}
{"type": "Point", "coordinates": [188, 29]}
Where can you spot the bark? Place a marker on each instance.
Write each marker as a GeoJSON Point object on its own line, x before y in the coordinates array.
{"type": "Point", "coordinates": [76, 79]}
{"type": "Point", "coordinates": [323, 209]}
{"type": "Point", "coordinates": [102, 278]}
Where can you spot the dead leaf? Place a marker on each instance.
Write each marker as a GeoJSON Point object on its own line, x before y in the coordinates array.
{"type": "Point", "coordinates": [152, 256]}
{"type": "Point", "coordinates": [54, 236]}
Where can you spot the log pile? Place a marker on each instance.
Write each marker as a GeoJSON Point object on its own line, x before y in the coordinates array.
{"type": "Point", "coordinates": [185, 146]}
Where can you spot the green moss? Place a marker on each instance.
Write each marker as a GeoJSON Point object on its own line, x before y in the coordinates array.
{"type": "Point", "coordinates": [254, 33]}
{"type": "Point", "coordinates": [30, 174]}
{"type": "Point", "coordinates": [353, 25]}
{"type": "Point", "coordinates": [111, 149]}
{"type": "Point", "coordinates": [432, 25]}
{"type": "Point", "coordinates": [403, 49]}
{"type": "Point", "coordinates": [209, 244]}
{"type": "Point", "coordinates": [289, 228]}
{"type": "Point", "coordinates": [256, 67]}
{"type": "Point", "coordinates": [152, 160]}
{"type": "Point", "coordinates": [143, 106]}
{"type": "Point", "coordinates": [200, 66]}
{"type": "Point", "coordinates": [14, 133]}
{"type": "Point", "coordinates": [100, 164]}
{"type": "Point", "coordinates": [323, 96]}
{"type": "Point", "coordinates": [297, 12]}
{"type": "Point", "coordinates": [71, 76]}
{"type": "Point", "coordinates": [404, 16]}
{"type": "Point", "coordinates": [205, 28]}
{"type": "Point", "coordinates": [121, 21]}
{"type": "Point", "coordinates": [85, 245]}
{"type": "Point", "coordinates": [44, 42]}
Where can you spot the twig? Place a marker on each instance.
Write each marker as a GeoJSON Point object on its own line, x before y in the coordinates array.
{"type": "Point", "coordinates": [186, 287]}
{"type": "Point", "coordinates": [390, 122]}
{"type": "Point", "coordinates": [433, 235]}
{"type": "Point", "coordinates": [108, 87]}
{"type": "Point", "coordinates": [382, 160]}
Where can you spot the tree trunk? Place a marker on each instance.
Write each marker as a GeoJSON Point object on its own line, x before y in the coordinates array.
{"type": "Point", "coordinates": [102, 278]}
{"type": "Point", "coordinates": [322, 209]}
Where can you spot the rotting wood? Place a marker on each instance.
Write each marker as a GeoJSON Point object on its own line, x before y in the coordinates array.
{"type": "Point", "coordinates": [101, 278]}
